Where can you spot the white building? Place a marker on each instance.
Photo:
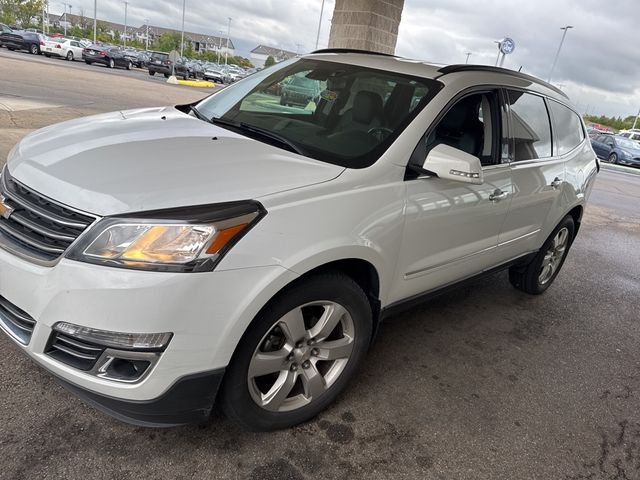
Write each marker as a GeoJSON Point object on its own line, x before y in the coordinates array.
{"type": "Point", "coordinates": [260, 54]}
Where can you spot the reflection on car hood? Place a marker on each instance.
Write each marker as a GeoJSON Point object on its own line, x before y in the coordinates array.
{"type": "Point", "coordinates": [155, 158]}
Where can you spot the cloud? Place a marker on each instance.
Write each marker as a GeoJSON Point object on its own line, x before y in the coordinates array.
{"type": "Point", "coordinates": [598, 66]}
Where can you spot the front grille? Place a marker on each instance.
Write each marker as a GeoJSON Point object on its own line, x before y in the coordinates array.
{"type": "Point", "coordinates": [37, 226]}
{"type": "Point", "coordinates": [16, 322]}
{"type": "Point", "coordinates": [79, 354]}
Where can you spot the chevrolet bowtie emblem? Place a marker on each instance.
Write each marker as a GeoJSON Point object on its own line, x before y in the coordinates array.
{"type": "Point", "coordinates": [5, 210]}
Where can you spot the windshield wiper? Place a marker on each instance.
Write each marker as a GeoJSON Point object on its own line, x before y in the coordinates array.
{"type": "Point", "coordinates": [246, 127]}
{"type": "Point", "coordinates": [198, 114]}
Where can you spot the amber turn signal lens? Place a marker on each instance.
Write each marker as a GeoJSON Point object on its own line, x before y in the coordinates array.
{"type": "Point", "coordinates": [223, 237]}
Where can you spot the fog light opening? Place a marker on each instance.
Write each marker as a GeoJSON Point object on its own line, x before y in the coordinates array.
{"type": "Point", "coordinates": [124, 369]}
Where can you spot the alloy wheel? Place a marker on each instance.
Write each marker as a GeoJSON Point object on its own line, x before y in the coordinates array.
{"type": "Point", "coordinates": [553, 258]}
{"type": "Point", "coordinates": [301, 356]}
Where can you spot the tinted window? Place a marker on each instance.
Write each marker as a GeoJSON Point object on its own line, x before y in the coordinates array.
{"type": "Point", "coordinates": [567, 127]}
{"type": "Point", "coordinates": [530, 126]}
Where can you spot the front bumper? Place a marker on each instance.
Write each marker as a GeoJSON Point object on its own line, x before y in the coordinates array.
{"type": "Point", "coordinates": [206, 312]}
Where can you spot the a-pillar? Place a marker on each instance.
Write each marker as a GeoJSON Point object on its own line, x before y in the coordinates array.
{"type": "Point", "coordinates": [366, 25]}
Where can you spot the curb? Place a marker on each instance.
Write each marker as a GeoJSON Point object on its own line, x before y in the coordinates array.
{"type": "Point", "coordinates": [191, 83]}
{"type": "Point", "coordinates": [619, 168]}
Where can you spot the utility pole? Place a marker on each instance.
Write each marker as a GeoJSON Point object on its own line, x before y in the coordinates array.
{"type": "Point", "coordinates": [319, 24]}
{"type": "Point", "coordinates": [219, 46]}
{"type": "Point", "coordinates": [126, 4]}
{"type": "Point", "coordinates": [184, 5]}
{"type": "Point", "coordinates": [468, 54]}
{"type": "Point", "coordinates": [635, 122]}
{"type": "Point", "coordinates": [95, 21]}
{"type": "Point", "coordinates": [498, 57]}
{"type": "Point", "coordinates": [555, 60]}
{"type": "Point", "coordinates": [226, 53]}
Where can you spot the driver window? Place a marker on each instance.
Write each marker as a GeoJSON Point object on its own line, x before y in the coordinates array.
{"type": "Point", "coordinates": [470, 126]}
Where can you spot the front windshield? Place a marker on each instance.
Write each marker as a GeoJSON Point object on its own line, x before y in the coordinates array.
{"type": "Point", "coordinates": [338, 113]}
{"type": "Point", "coordinates": [626, 143]}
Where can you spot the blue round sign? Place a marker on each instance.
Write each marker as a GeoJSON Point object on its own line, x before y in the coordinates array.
{"type": "Point", "coordinates": [507, 46]}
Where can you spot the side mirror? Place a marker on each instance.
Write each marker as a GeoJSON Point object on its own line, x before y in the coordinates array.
{"type": "Point", "coordinates": [453, 164]}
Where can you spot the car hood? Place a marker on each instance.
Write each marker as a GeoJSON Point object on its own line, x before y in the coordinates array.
{"type": "Point", "coordinates": [154, 158]}
{"type": "Point", "coordinates": [633, 152]}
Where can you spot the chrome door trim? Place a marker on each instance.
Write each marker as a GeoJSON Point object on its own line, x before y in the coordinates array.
{"type": "Point", "coordinates": [521, 237]}
{"type": "Point", "coordinates": [438, 266]}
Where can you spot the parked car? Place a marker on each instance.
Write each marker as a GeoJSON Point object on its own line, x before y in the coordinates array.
{"type": "Point", "coordinates": [142, 59]}
{"type": "Point", "coordinates": [159, 63]}
{"type": "Point", "coordinates": [131, 55]}
{"type": "Point", "coordinates": [617, 149]}
{"type": "Point", "coordinates": [64, 48]}
{"type": "Point", "coordinates": [195, 68]}
{"type": "Point", "coordinates": [300, 90]}
{"type": "Point", "coordinates": [213, 73]}
{"type": "Point", "coordinates": [256, 269]}
{"type": "Point", "coordinates": [21, 40]}
{"type": "Point", "coordinates": [106, 55]}
{"type": "Point", "coordinates": [631, 135]}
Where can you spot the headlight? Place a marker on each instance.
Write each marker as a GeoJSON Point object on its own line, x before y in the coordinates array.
{"type": "Point", "coordinates": [625, 154]}
{"type": "Point", "coordinates": [178, 240]}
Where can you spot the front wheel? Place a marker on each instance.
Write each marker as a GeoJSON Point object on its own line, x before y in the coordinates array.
{"type": "Point", "coordinates": [299, 353]}
{"type": "Point", "coordinates": [152, 73]}
{"type": "Point", "coordinates": [128, 65]}
{"type": "Point", "coordinates": [70, 56]}
{"type": "Point", "coordinates": [87, 62]}
{"type": "Point", "coordinates": [112, 63]}
{"type": "Point", "coordinates": [613, 158]}
{"type": "Point", "coordinates": [33, 49]}
{"type": "Point", "coordinates": [538, 275]}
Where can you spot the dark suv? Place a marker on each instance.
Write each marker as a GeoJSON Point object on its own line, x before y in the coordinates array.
{"type": "Point", "coordinates": [160, 63]}
{"type": "Point", "coordinates": [21, 40]}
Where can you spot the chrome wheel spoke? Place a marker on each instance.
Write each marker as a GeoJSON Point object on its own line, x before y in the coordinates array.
{"type": "Point", "coordinates": [335, 349]}
{"type": "Point", "coordinates": [562, 237]}
{"type": "Point", "coordinates": [264, 363]}
{"type": "Point", "coordinates": [328, 322]}
{"type": "Point", "coordinates": [312, 382]}
{"type": "Point", "coordinates": [292, 325]}
{"type": "Point", "coordinates": [280, 390]}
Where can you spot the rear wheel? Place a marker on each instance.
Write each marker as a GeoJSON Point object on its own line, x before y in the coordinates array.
{"type": "Point", "coordinates": [298, 354]}
{"type": "Point", "coordinates": [111, 63]}
{"type": "Point", "coordinates": [34, 49]}
{"type": "Point", "coordinates": [613, 158]}
{"type": "Point", "coordinates": [87, 62]}
{"type": "Point", "coordinates": [152, 73]}
{"type": "Point", "coordinates": [128, 65]}
{"type": "Point", "coordinates": [166, 75]}
{"type": "Point", "coordinates": [70, 56]}
{"type": "Point", "coordinates": [538, 275]}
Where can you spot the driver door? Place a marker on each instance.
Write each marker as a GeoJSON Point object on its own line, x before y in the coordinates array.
{"type": "Point", "coordinates": [452, 228]}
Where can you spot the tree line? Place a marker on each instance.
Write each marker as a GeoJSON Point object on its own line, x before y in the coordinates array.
{"type": "Point", "coordinates": [617, 123]}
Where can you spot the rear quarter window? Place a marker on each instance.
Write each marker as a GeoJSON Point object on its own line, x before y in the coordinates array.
{"type": "Point", "coordinates": [530, 126]}
{"type": "Point", "coordinates": [567, 128]}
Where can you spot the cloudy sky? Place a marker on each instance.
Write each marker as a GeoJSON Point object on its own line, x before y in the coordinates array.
{"type": "Point", "coordinates": [599, 66]}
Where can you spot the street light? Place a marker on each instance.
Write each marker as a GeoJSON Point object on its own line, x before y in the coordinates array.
{"type": "Point", "coordinates": [126, 4]}
{"type": "Point", "coordinates": [555, 60]}
{"type": "Point", "coordinates": [95, 21]}
{"type": "Point", "coordinates": [226, 53]}
{"type": "Point", "coordinates": [184, 4]}
{"type": "Point", "coordinates": [636, 120]}
{"type": "Point", "coordinates": [66, 19]}
{"type": "Point", "coordinates": [219, 45]}
{"type": "Point", "coordinates": [319, 24]}
{"type": "Point", "coordinates": [468, 54]}
{"type": "Point", "coordinates": [499, 52]}
{"type": "Point", "coordinates": [146, 22]}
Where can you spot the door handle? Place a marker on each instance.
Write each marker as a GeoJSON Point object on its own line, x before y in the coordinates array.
{"type": "Point", "coordinates": [557, 183]}
{"type": "Point", "coordinates": [498, 195]}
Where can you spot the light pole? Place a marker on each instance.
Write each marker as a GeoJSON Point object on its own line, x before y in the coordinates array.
{"type": "Point", "coordinates": [95, 21]}
{"type": "Point", "coordinates": [555, 60]}
{"type": "Point", "coordinates": [635, 122]}
{"type": "Point", "coordinates": [219, 45]}
{"type": "Point", "coordinates": [126, 4]}
{"type": "Point", "coordinates": [184, 5]}
{"type": "Point", "coordinates": [498, 57]}
{"type": "Point", "coordinates": [319, 24]}
{"type": "Point", "coordinates": [66, 19]}
{"type": "Point", "coordinates": [468, 54]}
{"type": "Point", "coordinates": [146, 22]}
{"type": "Point", "coordinates": [226, 52]}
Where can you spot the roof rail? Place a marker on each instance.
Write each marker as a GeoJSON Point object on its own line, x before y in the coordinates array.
{"type": "Point", "coordinates": [351, 50]}
{"type": "Point", "coordinates": [487, 68]}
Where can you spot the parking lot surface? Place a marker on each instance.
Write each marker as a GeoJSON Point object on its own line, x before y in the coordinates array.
{"type": "Point", "coordinates": [482, 383]}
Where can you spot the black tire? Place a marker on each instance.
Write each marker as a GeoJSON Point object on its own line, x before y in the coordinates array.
{"type": "Point", "coordinates": [128, 66]}
{"type": "Point", "coordinates": [47, 55]}
{"type": "Point", "coordinates": [87, 62]}
{"type": "Point", "coordinates": [166, 75]}
{"type": "Point", "coordinates": [613, 158]}
{"type": "Point", "coordinates": [70, 56]}
{"type": "Point", "coordinates": [11, 49]}
{"type": "Point", "coordinates": [34, 49]}
{"type": "Point", "coordinates": [283, 101]}
{"type": "Point", "coordinates": [111, 63]}
{"type": "Point", "coordinates": [152, 73]}
{"type": "Point", "coordinates": [235, 398]}
{"type": "Point", "coordinates": [527, 277]}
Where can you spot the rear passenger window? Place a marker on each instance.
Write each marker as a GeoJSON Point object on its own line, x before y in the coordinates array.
{"type": "Point", "coordinates": [567, 127]}
{"type": "Point", "coordinates": [530, 127]}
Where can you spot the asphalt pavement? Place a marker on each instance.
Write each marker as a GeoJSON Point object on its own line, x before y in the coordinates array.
{"type": "Point", "coordinates": [482, 383]}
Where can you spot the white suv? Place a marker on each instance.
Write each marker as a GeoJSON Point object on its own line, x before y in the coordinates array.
{"type": "Point", "coordinates": [242, 251]}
